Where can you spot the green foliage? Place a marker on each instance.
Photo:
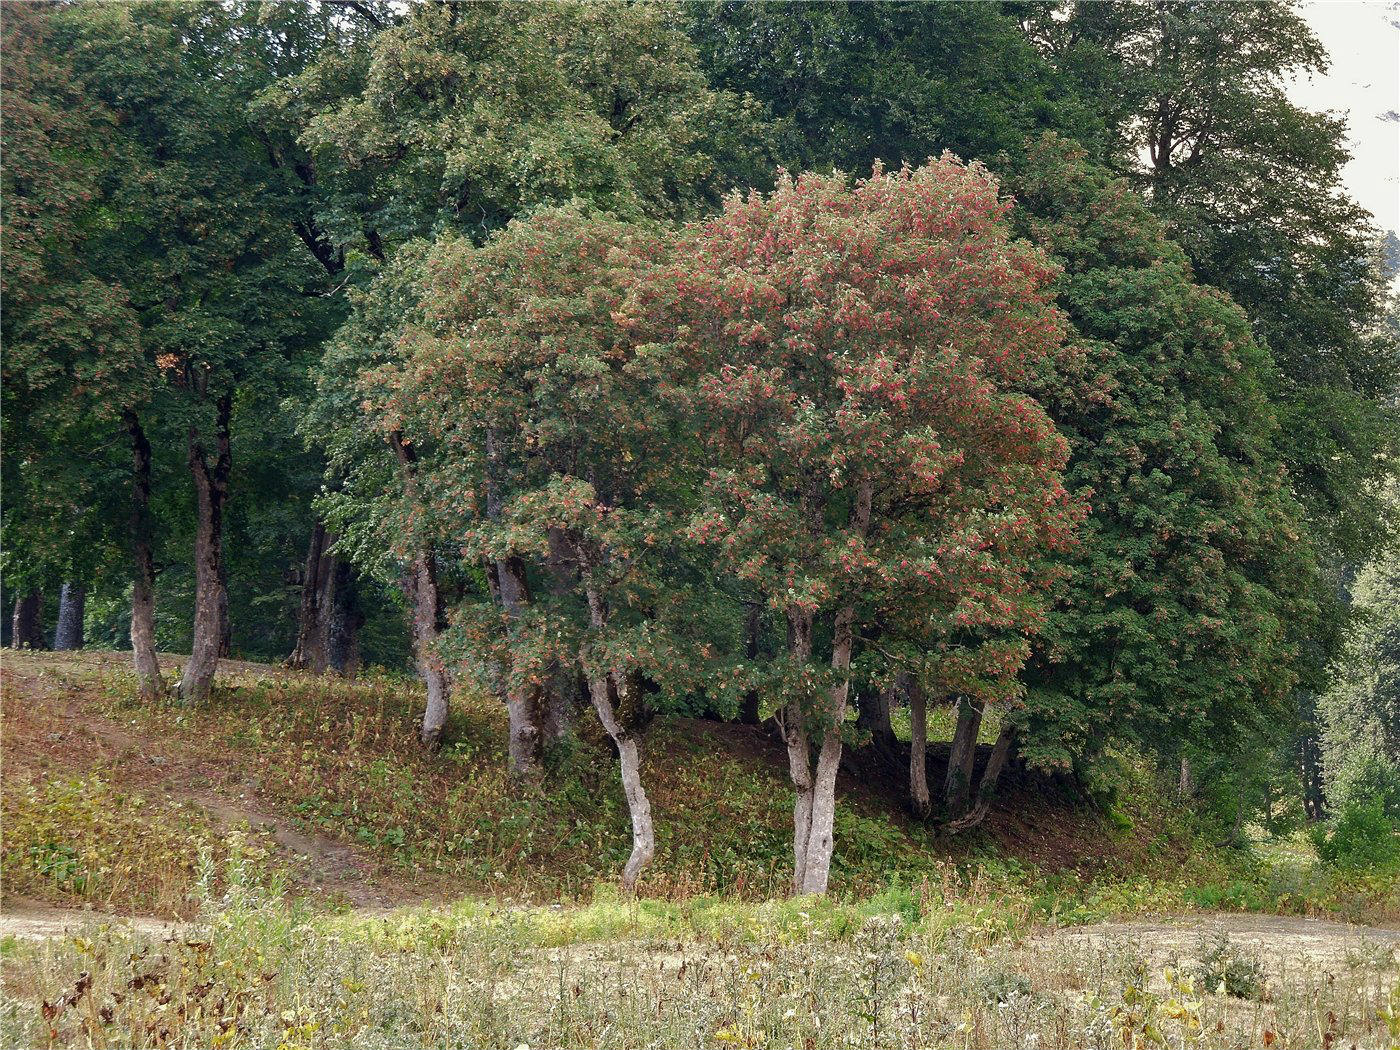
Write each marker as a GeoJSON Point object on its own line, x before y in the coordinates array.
{"type": "Point", "coordinates": [1177, 615]}
{"type": "Point", "coordinates": [1225, 966]}
{"type": "Point", "coordinates": [1360, 712]}
{"type": "Point", "coordinates": [1361, 837]}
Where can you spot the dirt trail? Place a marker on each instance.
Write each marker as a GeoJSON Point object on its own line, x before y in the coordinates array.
{"type": "Point", "coordinates": [57, 715]}
{"type": "Point", "coordinates": [1281, 942]}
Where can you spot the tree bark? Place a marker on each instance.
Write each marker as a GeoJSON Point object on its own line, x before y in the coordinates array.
{"type": "Point", "coordinates": [425, 600]}
{"type": "Point", "coordinates": [72, 600]}
{"type": "Point", "coordinates": [430, 666]}
{"type": "Point", "coordinates": [313, 629]}
{"type": "Point", "coordinates": [1186, 783]}
{"type": "Point", "coordinates": [799, 746]}
{"type": "Point", "coordinates": [525, 741]}
{"type": "Point", "coordinates": [987, 787]}
{"type": "Point", "coordinates": [225, 624]}
{"type": "Point", "coordinates": [918, 745]}
{"type": "Point", "coordinates": [565, 688]}
{"type": "Point", "coordinates": [821, 841]}
{"type": "Point", "coordinates": [143, 581]}
{"type": "Point", "coordinates": [346, 619]}
{"type": "Point", "coordinates": [957, 784]}
{"type": "Point", "coordinates": [210, 596]}
{"type": "Point", "coordinates": [28, 624]}
{"type": "Point", "coordinates": [603, 688]}
{"type": "Point", "coordinates": [1310, 759]}
{"type": "Point", "coordinates": [874, 708]}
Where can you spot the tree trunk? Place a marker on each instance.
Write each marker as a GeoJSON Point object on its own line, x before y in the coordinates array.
{"type": "Point", "coordinates": [1310, 759]}
{"type": "Point", "coordinates": [987, 787]}
{"type": "Point", "coordinates": [957, 784]}
{"type": "Point", "coordinates": [28, 625]}
{"type": "Point", "coordinates": [753, 627]}
{"type": "Point", "coordinates": [210, 596]}
{"type": "Point", "coordinates": [918, 745]}
{"type": "Point", "coordinates": [143, 582]}
{"type": "Point", "coordinates": [346, 619]}
{"type": "Point", "coordinates": [313, 630]}
{"type": "Point", "coordinates": [820, 840]}
{"type": "Point", "coordinates": [225, 624]}
{"type": "Point", "coordinates": [1186, 783]}
{"type": "Point", "coordinates": [525, 741]}
{"type": "Point", "coordinates": [873, 713]}
{"type": "Point", "coordinates": [799, 746]}
{"type": "Point", "coordinates": [426, 601]}
{"type": "Point", "coordinates": [72, 600]}
{"type": "Point", "coordinates": [564, 689]}
{"type": "Point", "coordinates": [603, 688]}
{"type": "Point", "coordinates": [430, 666]}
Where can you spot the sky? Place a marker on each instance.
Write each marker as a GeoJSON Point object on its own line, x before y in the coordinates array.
{"type": "Point", "coordinates": [1364, 82]}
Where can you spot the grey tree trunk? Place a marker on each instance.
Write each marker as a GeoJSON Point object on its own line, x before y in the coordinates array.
{"type": "Point", "coordinates": [1309, 745]}
{"type": "Point", "coordinates": [27, 628]}
{"type": "Point", "coordinates": [918, 745]}
{"type": "Point", "coordinates": [987, 786]}
{"type": "Point", "coordinates": [143, 582]}
{"type": "Point", "coordinates": [430, 665]}
{"type": "Point", "coordinates": [426, 602]}
{"type": "Point", "coordinates": [957, 784]}
{"type": "Point", "coordinates": [799, 747]}
{"type": "Point", "coordinates": [1186, 783]}
{"type": "Point", "coordinates": [816, 870]}
{"type": "Point", "coordinates": [72, 600]}
{"type": "Point", "coordinates": [523, 700]}
{"type": "Point", "coordinates": [211, 596]}
{"type": "Point", "coordinates": [603, 688]}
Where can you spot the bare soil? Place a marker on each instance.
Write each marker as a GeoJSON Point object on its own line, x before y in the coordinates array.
{"type": "Point", "coordinates": [47, 727]}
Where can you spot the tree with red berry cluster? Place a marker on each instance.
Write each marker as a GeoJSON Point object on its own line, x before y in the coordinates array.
{"type": "Point", "coordinates": [857, 356]}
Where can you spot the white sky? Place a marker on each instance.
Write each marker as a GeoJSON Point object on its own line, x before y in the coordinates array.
{"type": "Point", "coordinates": [1363, 39]}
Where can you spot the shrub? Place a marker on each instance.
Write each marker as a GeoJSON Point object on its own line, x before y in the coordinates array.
{"type": "Point", "coordinates": [1227, 967]}
{"type": "Point", "coordinates": [1361, 838]}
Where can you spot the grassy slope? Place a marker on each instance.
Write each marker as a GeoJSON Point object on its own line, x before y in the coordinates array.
{"type": "Point", "coordinates": [97, 784]}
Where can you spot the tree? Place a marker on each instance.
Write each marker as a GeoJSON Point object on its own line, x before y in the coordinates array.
{"type": "Point", "coordinates": [220, 286]}
{"type": "Point", "coordinates": [1250, 185]}
{"type": "Point", "coordinates": [847, 84]}
{"type": "Point", "coordinates": [542, 440]}
{"type": "Point", "coordinates": [453, 120]}
{"type": "Point", "coordinates": [855, 353]}
{"type": "Point", "coordinates": [71, 363]}
{"type": "Point", "coordinates": [1176, 619]}
{"type": "Point", "coordinates": [1360, 712]}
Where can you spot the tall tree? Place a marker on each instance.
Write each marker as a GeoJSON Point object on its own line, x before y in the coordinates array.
{"type": "Point", "coordinates": [1178, 615]}
{"type": "Point", "coordinates": [848, 84]}
{"type": "Point", "coordinates": [454, 119]}
{"type": "Point", "coordinates": [854, 354]}
{"type": "Point", "coordinates": [537, 412]}
{"type": "Point", "coordinates": [205, 250]}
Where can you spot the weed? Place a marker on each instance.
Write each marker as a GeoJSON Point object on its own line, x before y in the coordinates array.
{"type": "Point", "coordinates": [1225, 968]}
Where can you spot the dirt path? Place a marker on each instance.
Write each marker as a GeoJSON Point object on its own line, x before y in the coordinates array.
{"type": "Point", "coordinates": [27, 920]}
{"type": "Point", "coordinates": [1281, 942]}
{"type": "Point", "coordinates": [56, 721]}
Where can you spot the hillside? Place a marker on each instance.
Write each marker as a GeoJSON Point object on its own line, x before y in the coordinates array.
{"type": "Point", "coordinates": [321, 781]}
{"type": "Point", "coordinates": [428, 902]}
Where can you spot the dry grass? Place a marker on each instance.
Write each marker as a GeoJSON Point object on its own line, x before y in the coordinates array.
{"type": "Point", "coordinates": [758, 976]}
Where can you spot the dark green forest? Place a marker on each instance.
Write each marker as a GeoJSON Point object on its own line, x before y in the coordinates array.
{"type": "Point", "coordinates": [806, 364]}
